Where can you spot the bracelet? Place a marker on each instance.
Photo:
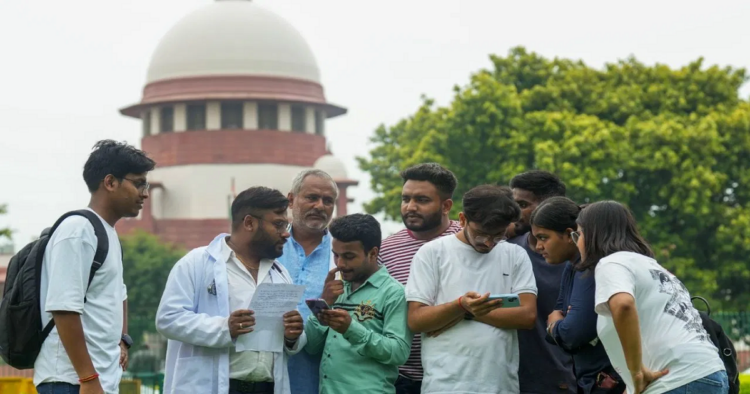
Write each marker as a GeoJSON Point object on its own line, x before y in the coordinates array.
{"type": "Point", "coordinates": [462, 305]}
{"type": "Point", "coordinates": [88, 379]}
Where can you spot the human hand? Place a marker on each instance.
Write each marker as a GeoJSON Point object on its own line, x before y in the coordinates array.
{"type": "Point", "coordinates": [293, 325]}
{"type": "Point", "coordinates": [445, 328]}
{"type": "Point", "coordinates": [123, 356]}
{"type": "Point", "coordinates": [479, 305]}
{"type": "Point", "coordinates": [553, 318]}
{"type": "Point", "coordinates": [645, 377]}
{"type": "Point", "coordinates": [338, 319]}
{"type": "Point", "coordinates": [91, 387]}
{"type": "Point", "coordinates": [333, 288]}
{"type": "Point", "coordinates": [240, 322]}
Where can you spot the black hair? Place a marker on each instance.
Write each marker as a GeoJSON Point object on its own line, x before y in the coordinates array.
{"type": "Point", "coordinates": [256, 201]}
{"type": "Point", "coordinates": [557, 214]}
{"type": "Point", "coordinates": [116, 158]}
{"type": "Point", "coordinates": [543, 184]}
{"type": "Point", "coordinates": [357, 227]}
{"type": "Point", "coordinates": [609, 227]}
{"type": "Point", "coordinates": [507, 191]}
{"type": "Point", "coordinates": [444, 180]}
{"type": "Point", "coordinates": [490, 207]}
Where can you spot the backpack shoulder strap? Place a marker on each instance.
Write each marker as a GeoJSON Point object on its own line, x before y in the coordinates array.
{"type": "Point", "coordinates": [102, 248]}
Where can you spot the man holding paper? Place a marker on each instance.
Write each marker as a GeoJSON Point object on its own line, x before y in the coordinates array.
{"type": "Point", "coordinates": [362, 330]}
{"type": "Point", "coordinates": [204, 309]}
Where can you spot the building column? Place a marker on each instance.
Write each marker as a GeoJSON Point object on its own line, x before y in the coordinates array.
{"type": "Point", "coordinates": [285, 117]}
{"type": "Point", "coordinates": [213, 115]}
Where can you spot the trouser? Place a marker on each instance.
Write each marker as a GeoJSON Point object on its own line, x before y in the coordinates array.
{"type": "Point", "coordinates": [715, 383]}
{"type": "Point", "coordinates": [58, 388]}
{"type": "Point", "coordinates": [405, 385]}
{"type": "Point", "coordinates": [242, 387]}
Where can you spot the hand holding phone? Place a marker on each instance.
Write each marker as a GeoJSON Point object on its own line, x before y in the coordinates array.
{"type": "Point", "coordinates": [317, 305]}
{"type": "Point", "coordinates": [509, 300]}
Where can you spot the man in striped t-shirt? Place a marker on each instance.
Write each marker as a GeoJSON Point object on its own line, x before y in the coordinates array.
{"type": "Point", "coordinates": [425, 205]}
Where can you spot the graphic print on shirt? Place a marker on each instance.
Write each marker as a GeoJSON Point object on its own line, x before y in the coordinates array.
{"type": "Point", "coordinates": [363, 311]}
{"type": "Point", "coordinates": [680, 305]}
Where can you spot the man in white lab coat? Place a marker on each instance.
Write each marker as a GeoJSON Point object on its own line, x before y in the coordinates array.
{"type": "Point", "coordinates": [204, 306]}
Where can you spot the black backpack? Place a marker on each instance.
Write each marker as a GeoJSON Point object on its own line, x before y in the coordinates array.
{"type": "Point", "coordinates": [21, 331]}
{"type": "Point", "coordinates": [725, 346]}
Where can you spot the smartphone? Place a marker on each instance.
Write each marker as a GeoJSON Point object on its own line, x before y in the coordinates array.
{"type": "Point", "coordinates": [317, 305]}
{"type": "Point", "coordinates": [509, 300]}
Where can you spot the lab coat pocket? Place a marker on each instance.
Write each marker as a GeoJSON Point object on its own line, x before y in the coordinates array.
{"type": "Point", "coordinates": [193, 375]}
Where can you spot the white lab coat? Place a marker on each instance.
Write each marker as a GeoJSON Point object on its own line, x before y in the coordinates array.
{"type": "Point", "coordinates": [193, 315]}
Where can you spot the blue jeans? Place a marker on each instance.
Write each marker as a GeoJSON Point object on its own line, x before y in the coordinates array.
{"type": "Point", "coordinates": [57, 388]}
{"type": "Point", "coordinates": [304, 373]}
{"type": "Point", "coordinates": [715, 383]}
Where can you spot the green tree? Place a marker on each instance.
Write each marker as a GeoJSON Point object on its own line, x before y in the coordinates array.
{"type": "Point", "coordinates": [672, 144]}
{"type": "Point", "coordinates": [146, 265]}
{"type": "Point", "coordinates": [4, 232]}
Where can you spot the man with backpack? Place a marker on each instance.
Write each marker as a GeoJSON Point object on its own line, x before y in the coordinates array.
{"type": "Point", "coordinates": [80, 286]}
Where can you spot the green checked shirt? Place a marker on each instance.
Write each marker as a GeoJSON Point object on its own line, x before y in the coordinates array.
{"type": "Point", "coordinates": [366, 358]}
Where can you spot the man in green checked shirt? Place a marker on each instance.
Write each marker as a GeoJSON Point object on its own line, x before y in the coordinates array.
{"type": "Point", "coordinates": [364, 337]}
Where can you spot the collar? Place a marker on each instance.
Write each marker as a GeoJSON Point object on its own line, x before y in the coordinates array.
{"type": "Point", "coordinates": [220, 251]}
{"type": "Point", "coordinates": [326, 235]}
{"type": "Point", "coordinates": [375, 280]}
{"type": "Point", "coordinates": [216, 250]}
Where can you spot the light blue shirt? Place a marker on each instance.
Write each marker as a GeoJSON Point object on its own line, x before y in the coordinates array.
{"type": "Point", "coordinates": [309, 271]}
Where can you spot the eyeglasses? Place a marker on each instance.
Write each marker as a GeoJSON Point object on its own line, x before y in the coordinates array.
{"type": "Point", "coordinates": [575, 235]}
{"type": "Point", "coordinates": [482, 239]}
{"type": "Point", "coordinates": [280, 226]}
{"type": "Point", "coordinates": [142, 186]}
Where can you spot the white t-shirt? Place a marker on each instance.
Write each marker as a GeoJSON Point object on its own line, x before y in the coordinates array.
{"type": "Point", "coordinates": [65, 274]}
{"type": "Point", "coordinates": [471, 357]}
{"type": "Point", "coordinates": [672, 335]}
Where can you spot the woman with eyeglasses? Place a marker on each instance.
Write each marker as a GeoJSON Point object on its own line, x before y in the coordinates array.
{"type": "Point", "coordinates": [572, 325]}
{"type": "Point", "coordinates": [653, 335]}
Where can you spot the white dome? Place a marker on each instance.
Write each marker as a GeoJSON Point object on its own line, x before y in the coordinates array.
{"type": "Point", "coordinates": [331, 165]}
{"type": "Point", "coordinates": [233, 38]}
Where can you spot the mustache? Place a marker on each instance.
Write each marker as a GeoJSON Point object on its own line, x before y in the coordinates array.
{"type": "Point", "coordinates": [317, 213]}
{"type": "Point", "coordinates": [413, 215]}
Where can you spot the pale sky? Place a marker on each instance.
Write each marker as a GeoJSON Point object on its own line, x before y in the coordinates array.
{"type": "Point", "coordinates": [68, 66]}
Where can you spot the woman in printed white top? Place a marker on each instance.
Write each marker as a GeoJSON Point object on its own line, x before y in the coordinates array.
{"type": "Point", "coordinates": [653, 335]}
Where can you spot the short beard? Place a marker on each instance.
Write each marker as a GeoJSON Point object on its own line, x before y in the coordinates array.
{"type": "Point", "coordinates": [263, 245]}
{"type": "Point", "coordinates": [430, 222]}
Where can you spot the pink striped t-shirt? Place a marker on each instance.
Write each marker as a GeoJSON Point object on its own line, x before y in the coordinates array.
{"type": "Point", "coordinates": [396, 253]}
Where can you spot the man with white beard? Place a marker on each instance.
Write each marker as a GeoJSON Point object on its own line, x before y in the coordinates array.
{"type": "Point", "coordinates": [307, 257]}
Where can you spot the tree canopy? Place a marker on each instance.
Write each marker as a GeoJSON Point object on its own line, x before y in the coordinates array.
{"type": "Point", "coordinates": [4, 232]}
{"type": "Point", "coordinates": [671, 144]}
{"type": "Point", "coordinates": [146, 265]}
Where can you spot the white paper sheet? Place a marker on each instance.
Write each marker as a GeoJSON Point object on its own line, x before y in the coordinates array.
{"type": "Point", "coordinates": [270, 302]}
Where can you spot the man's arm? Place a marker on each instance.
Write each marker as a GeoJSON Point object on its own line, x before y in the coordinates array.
{"type": "Point", "coordinates": [425, 318]}
{"type": "Point", "coordinates": [521, 317]}
{"type": "Point", "coordinates": [176, 318]}
{"type": "Point", "coordinates": [70, 329]}
{"type": "Point", "coordinates": [392, 346]}
{"type": "Point", "coordinates": [125, 317]}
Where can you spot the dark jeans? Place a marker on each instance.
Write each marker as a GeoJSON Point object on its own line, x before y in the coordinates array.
{"type": "Point", "coordinates": [715, 383]}
{"type": "Point", "coordinates": [240, 387]}
{"type": "Point", "coordinates": [57, 388]}
{"type": "Point", "coordinates": [408, 386]}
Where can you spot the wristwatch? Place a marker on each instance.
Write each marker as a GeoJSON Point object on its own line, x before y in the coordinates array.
{"type": "Point", "coordinates": [127, 340]}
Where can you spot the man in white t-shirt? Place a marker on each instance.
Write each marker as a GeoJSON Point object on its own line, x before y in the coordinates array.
{"type": "Point", "coordinates": [86, 351]}
{"type": "Point", "coordinates": [476, 346]}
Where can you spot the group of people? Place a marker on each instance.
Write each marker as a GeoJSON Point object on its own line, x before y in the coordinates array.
{"type": "Point", "coordinates": [527, 292]}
